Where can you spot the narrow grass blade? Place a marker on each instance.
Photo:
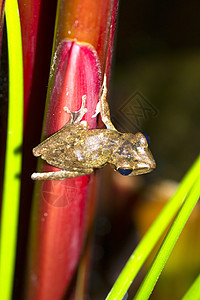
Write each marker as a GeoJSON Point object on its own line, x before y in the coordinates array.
{"type": "Point", "coordinates": [194, 291]}
{"type": "Point", "coordinates": [11, 188]}
{"type": "Point", "coordinates": [150, 239]}
{"type": "Point", "coordinates": [168, 244]}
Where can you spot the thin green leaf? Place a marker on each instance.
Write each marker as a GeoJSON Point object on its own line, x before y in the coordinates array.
{"type": "Point", "coordinates": [169, 242]}
{"type": "Point", "coordinates": [11, 188]}
{"type": "Point", "coordinates": [194, 291]}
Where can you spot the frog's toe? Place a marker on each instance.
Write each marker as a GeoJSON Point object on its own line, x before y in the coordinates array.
{"type": "Point", "coordinates": [65, 108]}
{"type": "Point", "coordinates": [83, 101]}
{"type": "Point", "coordinates": [84, 124]}
{"type": "Point", "coordinates": [97, 111]}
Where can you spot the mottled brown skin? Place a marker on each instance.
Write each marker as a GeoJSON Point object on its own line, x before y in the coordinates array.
{"type": "Point", "coordinates": [78, 151]}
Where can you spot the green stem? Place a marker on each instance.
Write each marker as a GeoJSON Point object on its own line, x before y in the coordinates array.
{"type": "Point", "coordinates": [11, 188]}
{"type": "Point", "coordinates": [148, 242]}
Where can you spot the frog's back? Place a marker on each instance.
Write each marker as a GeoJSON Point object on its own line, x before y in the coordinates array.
{"type": "Point", "coordinates": [66, 135]}
{"type": "Point", "coordinates": [91, 148]}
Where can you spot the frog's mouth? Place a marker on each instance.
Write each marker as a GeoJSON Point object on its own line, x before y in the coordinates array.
{"type": "Point", "coordinates": [146, 166]}
{"type": "Point", "coordinates": [143, 168]}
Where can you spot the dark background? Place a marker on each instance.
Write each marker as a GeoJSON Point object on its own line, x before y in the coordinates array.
{"type": "Point", "coordinates": [157, 53]}
{"type": "Point", "coordinates": [156, 60]}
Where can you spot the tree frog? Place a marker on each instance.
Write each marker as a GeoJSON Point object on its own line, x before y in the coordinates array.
{"type": "Point", "coordinates": [78, 150]}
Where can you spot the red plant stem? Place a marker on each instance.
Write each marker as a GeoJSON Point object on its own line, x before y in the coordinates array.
{"type": "Point", "coordinates": [111, 39]}
{"type": "Point", "coordinates": [29, 16]}
{"type": "Point", "coordinates": [86, 21]}
{"type": "Point", "coordinates": [58, 218]}
{"type": "Point", "coordinates": [83, 269]}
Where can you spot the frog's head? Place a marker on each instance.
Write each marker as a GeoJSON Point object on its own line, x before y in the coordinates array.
{"type": "Point", "coordinates": [132, 155]}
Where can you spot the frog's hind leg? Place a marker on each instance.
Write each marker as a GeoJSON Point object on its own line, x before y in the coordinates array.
{"type": "Point", "coordinates": [60, 175]}
{"type": "Point", "coordinates": [76, 116]}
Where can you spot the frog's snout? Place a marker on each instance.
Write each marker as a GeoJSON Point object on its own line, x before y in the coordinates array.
{"type": "Point", "coordinates": [145, 163]}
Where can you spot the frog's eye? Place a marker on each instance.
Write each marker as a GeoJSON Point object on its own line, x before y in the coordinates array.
{"type": "Point", "coordinates": [147, 138]}
{"type": "Point", "coordinates": [124, 172]}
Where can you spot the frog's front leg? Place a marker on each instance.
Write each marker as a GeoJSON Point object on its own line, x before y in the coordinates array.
{"type": "Point", "coordinates": [76, 116]}
{"type": "Point", "coordinates": [62, 174]}
{"type": "Point", "coordinates": [103, 108]}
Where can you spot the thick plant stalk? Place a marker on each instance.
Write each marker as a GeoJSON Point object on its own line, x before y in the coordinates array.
{"type": "Point", "coordinates": [58, 220]}
{"type": "Point", "coordinates": [29, 15]}
{"type": "Point", "coordinates": [83, 268]}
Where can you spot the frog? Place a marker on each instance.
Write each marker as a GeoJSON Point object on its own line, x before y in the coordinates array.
{"type": "Point", "coordinates": [78, 150]}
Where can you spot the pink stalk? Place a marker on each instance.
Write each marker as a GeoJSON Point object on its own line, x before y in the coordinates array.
{"type": "Point", "coordinates": [79, 58]}
{"type": "Point", "coordinates": [29, 16]}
